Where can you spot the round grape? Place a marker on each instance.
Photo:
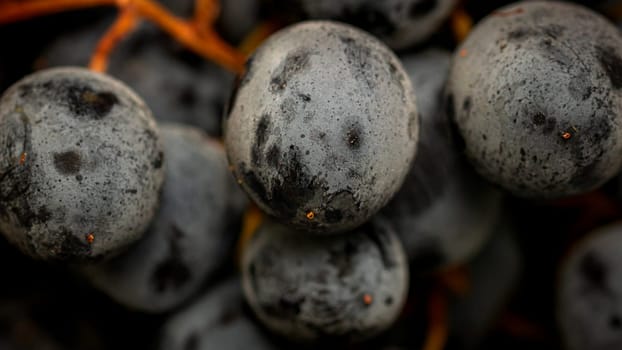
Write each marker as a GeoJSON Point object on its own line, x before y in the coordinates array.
{"type": "Point", "coordinates": [536, 93]}
{"type": "Point", "coordinates": [323, 127]}
{"type": "Point", "coordinates": [344, 287]}
{"type": "Point", "coordinates": [81, 165]}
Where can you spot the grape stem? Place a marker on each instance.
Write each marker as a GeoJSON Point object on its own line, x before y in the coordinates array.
{"type": "Point", "coordinates": [438, 332]}
{"type": "Point", "coordinates": [196, 34]}
{"type": "Point", "coordinates": [125, 23]}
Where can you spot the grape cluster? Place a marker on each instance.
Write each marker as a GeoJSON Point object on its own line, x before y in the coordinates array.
{"type": "Point", "coordinates": [368, 181]}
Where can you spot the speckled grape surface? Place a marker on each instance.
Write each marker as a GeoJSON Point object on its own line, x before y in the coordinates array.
{"type": "Point", "coordinates": [535, 91]}
{"type": "Point", "coordinates": [307, 288]}
{"type": "Point", "coordinates": [589, 308]}
{"type": "Point", "coordinates": [399, 23]}
{"type": "Point", "coordinates": [444, 212]}
{"type": "Point", "coordinates": [323, 121]}
{"type": "Point", "coordinates": [218, 320]}
{"type": "Point", "coordinates": [81, 165]}
{"type": "Point", "coordinates": [192, 235]}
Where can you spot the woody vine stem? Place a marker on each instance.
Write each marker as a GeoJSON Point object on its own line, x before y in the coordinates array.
{"type": "Point", "coordinates": [196, 33]}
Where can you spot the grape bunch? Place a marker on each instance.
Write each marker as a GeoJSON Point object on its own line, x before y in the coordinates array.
{"type": "Point", "coordinates": [348, 174]}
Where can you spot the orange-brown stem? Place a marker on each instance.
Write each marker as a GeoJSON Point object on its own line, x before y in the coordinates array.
{"type": "Point", "coordinates": [208, 45]}
{"type": "Point", "coordinates": [461, 24]}
{"type": "Point", "coordinates": [438, 329]}
{"type": "Point", "coordinates": [124, 24]}
{"type": "Point", "coordinates": [13, 11]}
{"type": "Point", "coordinates": [205, 13]}
{"type": "Point", "coordinates": [253, 217]}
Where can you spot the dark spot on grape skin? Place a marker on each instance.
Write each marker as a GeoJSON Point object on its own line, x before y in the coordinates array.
{"type": "Point", "coordinates": [551, 123]}
{"type": "Point", "coordinates": [157, 163]}
{"type": "Point", "coordinates": [293, 64]}
{"type": "Point", "coordinates": [25, 90]}
{"type": "Point", "coordinates": [422, 8]}
{"type": "Point", "coordinates": [587, 149]}
{"type": "Point", "coordinates": [539, 119]}
{"type": "Point", "coordinates": [287, 307]}
{"type": "Point", "coordinates": [85, 102]}
{"type": "Point", "coordinates": [192, 342]}
{"type": "Point", "coordinates": [466, 104]}
{"type": "Point", "coordinates": [520, 34]}
{"type": "Point", "coordinates": [172, 273]}
{"type": "Point", "coordinates": [339, 202]}
{"type": "Point", "coordinates": [594, 272]}
{"type": "Point", "coordinates": [261, 136]}
{"type": "Point", "coordinates": [304, 97]}
{"type": "Point", "coordinates": [359, 56]}
{"type": "Point", "coordinates": [611, 63]}
{"type": "Point", "coordinates": [353, 138]}
{"type": "Point", "coordinates": [68, 163]}
{"type": "Point", "coordinates": [553, 31]}
{"type": "Point", "coordinates": [294, 187]}
{"type": "Point", "coordinates": [273, 156]}
{"type": "Point", "coordinates": [368, 17]}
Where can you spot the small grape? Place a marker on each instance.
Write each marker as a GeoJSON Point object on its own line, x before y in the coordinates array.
{"type": "Point", "coordinates": [444, 213]}
{"type": "Point", "coordinates": [81, 165]}
{"type": "Point", "coordinates": [344, 287]}
{"type": "Point", "coordinates": [216, 321]}
{"type": "Point", "coordinates": [323, 127]}
{"type": "Point", "coordinates": [399, 23]}
{"type": "Point", "coordinates": [191, 236]}
{"type": "Point", "coordinates": [589, 309]}
{"type": "Point", "coordinates": [536, 94]}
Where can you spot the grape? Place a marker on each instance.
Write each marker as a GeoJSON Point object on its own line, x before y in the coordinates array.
{"type": "Point", "coordinates": [323, 127]}
{"type": "Point", "coordinates": [493, 276]}
{"type": "Point", "coordinates": [399, 23]}
{"type": "Point", "coordinates": [195, 90]}
{"type": "Point", "coordinates": [216, 321]}
{"type": "Point", "coordinates": [535, 91]}
{"type": "Point", "coordinates": [81, 165]}
{"type": "Point", "coordinates": [344, 287]}
{"type": "Point", "coordinates": [443, 213]}
{"type": "Point", "coordinates": [588, 305]}
{"type": "Point", "coordinates": [191, 236]}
